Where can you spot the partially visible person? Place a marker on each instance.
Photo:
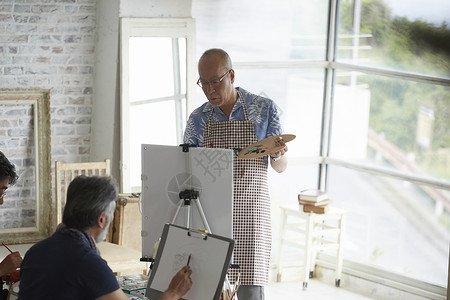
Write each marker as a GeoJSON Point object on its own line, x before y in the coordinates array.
{"type": "Point", "coordinates": [8, 176]}
{"type": "Point", "coordinates": [67, 265]}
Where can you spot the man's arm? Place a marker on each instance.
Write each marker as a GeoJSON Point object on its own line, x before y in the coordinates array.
{"type": "Point", "coordinates": [192, 132]}
{"type": "Point", "coordinates": [179, 285]}
{"type": "Point", "coordinates": [280, 165]}
{"type": "Point", "coordinates": [278, 160]}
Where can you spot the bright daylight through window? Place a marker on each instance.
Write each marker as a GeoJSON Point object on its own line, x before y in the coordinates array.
{"type": "Point", "coordinates": [384, 82]}
{"type": "Point", "coordinates": [365, 87]}
{"type": "Point", "coordinates": [154, 87]}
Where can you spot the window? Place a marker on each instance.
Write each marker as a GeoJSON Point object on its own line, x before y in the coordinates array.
{"type": "Point", "coordinates": [365, 86]}
{"type": "Point", "coordinates": [396, 35]}
{"type": "Point", "coordinates": [157, 83]}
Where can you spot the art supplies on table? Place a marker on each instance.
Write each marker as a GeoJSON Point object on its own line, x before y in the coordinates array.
{"type": "Point", "coordinates": [230, 290]}
{"type": "Point", "coordinates": [131, 284]}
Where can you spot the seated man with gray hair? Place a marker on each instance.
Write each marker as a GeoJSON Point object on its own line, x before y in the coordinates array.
{"type": "Point", "coordinates": [67, 265]}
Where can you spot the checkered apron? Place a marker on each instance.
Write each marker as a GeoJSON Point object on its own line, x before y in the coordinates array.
{"type": "Point", "coordinates": [251, 203]}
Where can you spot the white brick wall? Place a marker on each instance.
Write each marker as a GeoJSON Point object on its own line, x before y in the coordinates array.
{"type": "Point", "coordinates": [47, 44]}
{"type": "Point", "coordinates": [50, 44]}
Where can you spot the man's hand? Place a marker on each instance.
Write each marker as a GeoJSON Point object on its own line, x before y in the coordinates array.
{"type": "Point", "coordinates": [10, 263]}
{"type": "Point", "coordinates": [179, 285]}
{"type": "Point", "coordinates": [280, 162]}
{"type": "Point", "coordinates": [279, 142]}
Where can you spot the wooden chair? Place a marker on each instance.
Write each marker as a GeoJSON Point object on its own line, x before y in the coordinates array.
{"type": "Point", "coordinates": [120, 259]}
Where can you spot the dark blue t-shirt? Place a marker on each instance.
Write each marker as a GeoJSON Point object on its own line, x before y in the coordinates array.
{"type": "Point", "coordinates": [65, 266]}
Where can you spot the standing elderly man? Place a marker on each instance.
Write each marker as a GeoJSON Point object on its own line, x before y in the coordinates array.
{"type": "Point", "coordinates": [67, 265]}
{"type": "Point", "coordinates": [8, 177]}
{"type": "Point", "coordinates": [235, 118]}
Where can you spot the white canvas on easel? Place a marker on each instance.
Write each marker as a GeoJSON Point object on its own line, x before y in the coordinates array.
{"type": "Point", "coordinates": [167, 171]}
{"type": "Point", "coordinates": [209, 260]}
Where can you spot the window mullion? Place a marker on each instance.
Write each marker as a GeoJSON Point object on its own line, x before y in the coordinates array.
{"type": "Point", "coordinates": [328, 90]}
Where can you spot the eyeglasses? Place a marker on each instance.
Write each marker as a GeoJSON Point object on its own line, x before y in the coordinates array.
{"type": "Point", "coordinates": [205, 84]}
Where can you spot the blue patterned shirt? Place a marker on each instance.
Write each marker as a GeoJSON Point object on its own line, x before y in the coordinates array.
{"type": "Point", "coordinates": [262, 112]}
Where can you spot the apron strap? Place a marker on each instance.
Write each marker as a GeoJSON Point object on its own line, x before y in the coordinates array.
{"type": "Point", "coordinates": [243, 105]}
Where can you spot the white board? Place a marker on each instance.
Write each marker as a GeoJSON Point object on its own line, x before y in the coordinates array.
{"type": "Point", "coordinates": [167, 171]}
{"type": "Point", "coordinates": [209, 262]}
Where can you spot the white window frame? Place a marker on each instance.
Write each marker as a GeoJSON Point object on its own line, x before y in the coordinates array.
{"type": "Point", "coordinates": [323, 160]}
{"type": "Point", "coordinates": [376, 274]}
{"type": "Point", "coordinates": [150, 27]}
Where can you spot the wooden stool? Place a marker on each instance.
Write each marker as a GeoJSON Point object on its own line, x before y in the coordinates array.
{"type": "Point", "coordinates": [319, 235]}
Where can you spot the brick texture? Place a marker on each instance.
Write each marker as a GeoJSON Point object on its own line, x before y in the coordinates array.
{"type": "Point", "coordinates": [45, 44]}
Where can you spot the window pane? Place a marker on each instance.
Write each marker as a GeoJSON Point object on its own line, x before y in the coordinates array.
{"type": "Point", "coordinates": [393, 123]}
{"type": "Point", "coordinates": [266, 31]}
{"type": "Point", "coordinates": [152, 70]}
{"type": "Point", "coordinates": [157, 69]}
{"type": "Point", "coordinates": [403, 35]}
{"type": "Point", "coordinates": [151, 124]}
{"type": "Point", "coordinates": [299, 97]}
{"type": "Point", "coordinates": [284, 187]}
{"type": "Point", "coordinates": [393, 224]}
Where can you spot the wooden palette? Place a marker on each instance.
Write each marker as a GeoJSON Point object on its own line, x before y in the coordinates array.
{"type": "Point", "coordinates": [264, 147]}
